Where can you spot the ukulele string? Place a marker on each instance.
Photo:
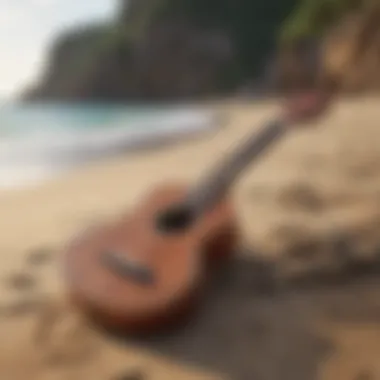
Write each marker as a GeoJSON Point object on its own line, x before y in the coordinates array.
{"type": "Point", "coordinates": [214, 186]}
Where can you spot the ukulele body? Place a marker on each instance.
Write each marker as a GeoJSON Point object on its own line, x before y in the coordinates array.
{"type": "Point", "coordinates": [179, 261]}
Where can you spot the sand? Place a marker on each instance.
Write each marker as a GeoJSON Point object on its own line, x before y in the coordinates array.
{"type": "Point", "coordinates": [307, 210]}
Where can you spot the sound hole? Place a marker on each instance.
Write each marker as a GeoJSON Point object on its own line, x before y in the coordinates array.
{"type": "Point", "coordinates": [175, 220]}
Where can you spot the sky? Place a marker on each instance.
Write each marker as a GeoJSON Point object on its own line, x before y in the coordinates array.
{"type": "Point", "coordinates": [27, 29]}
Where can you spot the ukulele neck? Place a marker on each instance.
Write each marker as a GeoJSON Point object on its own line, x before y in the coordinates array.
{"type": "Point", "coordinates": [211, 189]}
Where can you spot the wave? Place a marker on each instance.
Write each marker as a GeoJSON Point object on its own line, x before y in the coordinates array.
{"type": "Point", "coordinates": [32, 154]}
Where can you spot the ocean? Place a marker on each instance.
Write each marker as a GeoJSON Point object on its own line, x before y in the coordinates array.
{"type": "Point", "coordinates": [40, 141]}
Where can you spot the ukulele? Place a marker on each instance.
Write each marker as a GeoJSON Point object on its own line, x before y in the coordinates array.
{"type": "Point", "coordinates": [146, 270]}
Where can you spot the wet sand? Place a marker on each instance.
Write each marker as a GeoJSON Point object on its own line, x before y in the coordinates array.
{"type": "Point", "coordinates": [301, 300]}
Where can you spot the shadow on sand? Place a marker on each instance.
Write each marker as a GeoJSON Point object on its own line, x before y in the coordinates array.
{"type": "Point", "coordinates": [251, 327]}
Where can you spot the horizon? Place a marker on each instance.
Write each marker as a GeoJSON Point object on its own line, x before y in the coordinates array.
{"type": "Point", "coordinates": [29, 27]}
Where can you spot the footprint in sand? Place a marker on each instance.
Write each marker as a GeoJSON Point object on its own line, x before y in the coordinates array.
{"type": "Point", "coordinates": [21, 281]}
{"type": "Point", "coordinates": [25, 284]}
{"type": "Point", "coordinates": [39, 257]}
{"type": "Point", "coordinates": [130, 375]}
{"type": "Point", "coordinates": [22, 307]}
{"type": "Point", "coordinates": [64, 336]}
{"type": "Point", "coordinates": [67, 341]}
{"type": "Point", "coordinates": [25, 280]}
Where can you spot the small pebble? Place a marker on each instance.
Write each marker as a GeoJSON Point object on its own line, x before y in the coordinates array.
{"type": "Point", "coordinates": [21, 281]}
{"type": "Point", "coordinates": [39, 257]}
{"type": "Point", "coordinates": [302, 196]}
{"type": "Point", "coordinates": [363, 375]}
{"type": "Point", "coordinates": [130, 375]}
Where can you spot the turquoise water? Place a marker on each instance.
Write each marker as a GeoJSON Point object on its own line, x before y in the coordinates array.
{"type": "Point", "coordinates": [39, 140]}
{"type": "Point", "coordinates": [16, 119]}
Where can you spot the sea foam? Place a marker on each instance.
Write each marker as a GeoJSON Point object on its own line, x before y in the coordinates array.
{"type": "Point", "coordinates": [37, 144]}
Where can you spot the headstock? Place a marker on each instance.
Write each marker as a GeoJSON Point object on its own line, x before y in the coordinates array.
{"type": "Point", "coordinates": [306, 106]}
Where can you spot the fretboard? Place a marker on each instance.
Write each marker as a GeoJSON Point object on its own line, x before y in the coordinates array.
{"type": "Point", "coordinates": [212, 188]}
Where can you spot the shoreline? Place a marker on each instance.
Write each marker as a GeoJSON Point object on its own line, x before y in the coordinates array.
{"type": "Point", "coordinates": [41, 160]}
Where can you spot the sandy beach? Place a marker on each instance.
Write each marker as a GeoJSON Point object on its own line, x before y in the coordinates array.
{"type": "Point", "coordinates": [319, 185]}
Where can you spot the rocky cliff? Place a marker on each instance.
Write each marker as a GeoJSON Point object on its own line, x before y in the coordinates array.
{"type": "Point", "coordinates": [163, 49]}
{"type": "Point", "coordinates": [352, 50]}
{"type": "Point", "coordinates": [179, 49]}
{"type": "Point", "coordinates": [344, 52]}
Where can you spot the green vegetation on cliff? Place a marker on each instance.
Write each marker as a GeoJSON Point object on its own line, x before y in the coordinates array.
{"type": "Point", "coordinates": [311, 18]}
